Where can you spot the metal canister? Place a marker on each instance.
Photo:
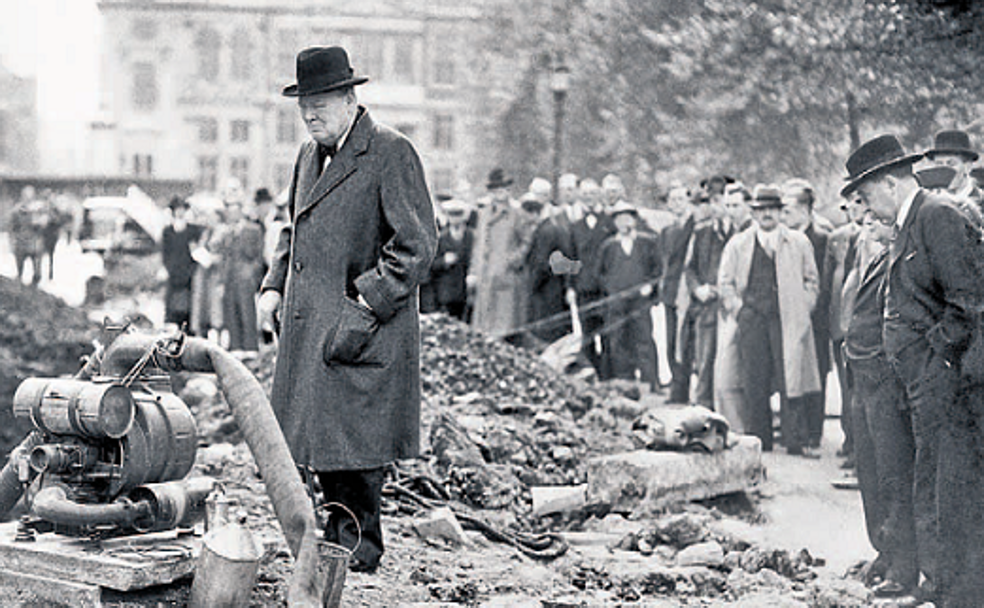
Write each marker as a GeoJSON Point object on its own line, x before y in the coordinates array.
{"type": "Point", "coordinates": [218, 509]}
{"type": "Point", "coordinates": [227, 567]}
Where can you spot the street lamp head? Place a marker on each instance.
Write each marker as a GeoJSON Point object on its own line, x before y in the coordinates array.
{"type": "Point", "coordinates": [560, 79]}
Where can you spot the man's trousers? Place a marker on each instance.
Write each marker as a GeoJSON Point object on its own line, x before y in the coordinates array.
{"type": "Point", "coordinates": [884, 449]}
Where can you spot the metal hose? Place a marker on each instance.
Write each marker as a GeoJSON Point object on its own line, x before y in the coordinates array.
{"type": "Point", "coordinates": [53, 504]}
{"type": "Point", "coordinates": [256, 420]}
{"type": "Point", "coordinates": [11, 487]}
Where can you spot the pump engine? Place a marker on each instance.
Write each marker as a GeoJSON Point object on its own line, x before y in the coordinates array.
{"type": "Point", "coordinates": [109, 453]}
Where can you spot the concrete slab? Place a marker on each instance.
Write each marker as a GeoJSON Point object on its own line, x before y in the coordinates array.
{"type": "Point", "coordinates": [122, 564]}
{"type": "Point", "coordinates": [643, 482]}
{"type": "Point", "coordinates": [20, 590]}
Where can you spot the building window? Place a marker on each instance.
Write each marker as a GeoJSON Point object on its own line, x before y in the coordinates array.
{"type": "Point", "coordinates": [367, 55]}
{"type": "Point", "coordinates": [239, 131]}
{"type": "Point", "coordinates": [404, 60]}
{"type": "Point", "coordinates": [208, 44]}
{"type": "Point", "coordinates": [443, 132]}
{"type": "Point", "coordinates": [144, 29]}
{"type": "Point", "coordinates": [444, 70]}
{"type": "Point", "coordinates": [144, 86]}
{"type": "Point", "coordinates": [143, 165]}
{"type": "Point", "coordinates": [242, 63]}
{"type": "Point", "coordinates": [286, 44]}
{"type": "Point", "coordinates": [208, 130]}
{"type": "Point", "coordinates": [208, 172]}
{"type": "Point", "coordinates": [286, 125]}
{"type": "Point", "coordinates": [407, 129]}
{"type": "Point", "coordinates": [239, 168]}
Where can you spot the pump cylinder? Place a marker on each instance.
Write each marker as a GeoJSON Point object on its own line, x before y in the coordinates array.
{"type": "Point", "coordinates": [66, 406]}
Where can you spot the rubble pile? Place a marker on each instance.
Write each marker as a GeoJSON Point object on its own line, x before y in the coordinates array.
{"type": "Point", "coordinates": [496, 419]}
{"type": "Point", "coordinates": [40, 336]}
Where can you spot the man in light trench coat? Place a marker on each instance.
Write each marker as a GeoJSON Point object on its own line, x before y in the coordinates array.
{"type": "Point", "coordinates": [342, 288]}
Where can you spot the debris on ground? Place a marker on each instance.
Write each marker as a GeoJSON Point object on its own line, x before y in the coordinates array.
{"type": "Point", "coordinates": [503, 433]}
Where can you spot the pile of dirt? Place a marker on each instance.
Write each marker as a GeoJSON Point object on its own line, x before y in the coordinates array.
{"type": "Point", "coordinates": [40, 336]}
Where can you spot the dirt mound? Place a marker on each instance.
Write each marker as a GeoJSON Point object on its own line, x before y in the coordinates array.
{"type": "Point", "coordinates": [40, 336]}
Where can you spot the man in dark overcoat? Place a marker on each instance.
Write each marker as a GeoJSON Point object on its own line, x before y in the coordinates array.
{"type": "Point", "coordinates": [674, 240]}
{"type": "Point", "coordinates": [551, 238]}
{"type": "Point", "coordinates": [630, 265]}
{"type": "Point", "coordinates": [701, 274]}
{"type": "Point", "coordinates": [177, 241]}
{"type": "Point", "coordinates": [450, 269]}
{"type": "Point", "coordinates": [933, 301]}
{"type": "Point", "coordinates": [882, 432]}
{"type": "Point", "coordinates": [344, 281]}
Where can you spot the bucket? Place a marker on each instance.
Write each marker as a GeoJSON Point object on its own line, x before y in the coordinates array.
{"type": "Point", "coordinates": [226, 569]}
{"type": "Point", "coordinates": [333, 560]}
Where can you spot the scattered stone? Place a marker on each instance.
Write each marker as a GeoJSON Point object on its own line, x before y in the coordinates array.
{"type": "Point", "coordinates": [681, 530]}
{"type": "Point", "coordinates": [452, 445]}
{"type": "Point", "coordinates": [441, 525]}
{"type": "Point", "coordinates": [835, 592]}
{"type": "Point", "coordinates": [708, 554]}
{"type": "Point", "coordinates": [558, 499]}
{"type": "Point", "coordinates": [769, 599]}
{"type": "Point", "coordinates": [512, 601]}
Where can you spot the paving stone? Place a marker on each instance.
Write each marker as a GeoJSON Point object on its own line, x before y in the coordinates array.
{"type": "Point", "coordinates": [643, 482]}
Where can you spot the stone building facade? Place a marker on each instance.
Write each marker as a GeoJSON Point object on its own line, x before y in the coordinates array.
{"type": "Point", "coordinates": [191, 89]}
{"type": "Point", "coordinates": [18, 124]}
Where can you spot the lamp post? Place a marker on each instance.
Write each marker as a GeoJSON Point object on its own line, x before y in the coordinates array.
{"type": "Point", "coordinates": [560, 81]}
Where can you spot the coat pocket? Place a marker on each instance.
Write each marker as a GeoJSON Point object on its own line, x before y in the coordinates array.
{"type": "Point", "coordinates": [357, 325]}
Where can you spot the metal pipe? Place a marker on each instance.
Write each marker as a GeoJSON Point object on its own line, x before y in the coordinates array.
{"type": "Point", "coordinates": [53, 504]}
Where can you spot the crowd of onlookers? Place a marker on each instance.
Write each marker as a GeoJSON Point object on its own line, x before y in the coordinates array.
{"type": "Point", "coordinates": [719, 294]}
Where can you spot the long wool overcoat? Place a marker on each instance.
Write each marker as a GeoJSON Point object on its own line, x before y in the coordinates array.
{"type": "Point", "coordinates": [798, 283]}
{"type": "Point", "coordinates": [346, 390]}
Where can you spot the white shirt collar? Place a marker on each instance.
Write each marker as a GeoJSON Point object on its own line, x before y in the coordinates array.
{"type": "Point", "coordinates": [967, 190]}
{"type": "Point", "coordinates": [768, 238]}
{"type": "Point", "coordinates": [904, 209]}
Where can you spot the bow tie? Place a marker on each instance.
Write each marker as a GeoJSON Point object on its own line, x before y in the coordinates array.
{"type": "Point", "coordinates": [327, 151]}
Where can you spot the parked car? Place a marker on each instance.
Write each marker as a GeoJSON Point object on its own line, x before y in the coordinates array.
{"type": "Point", "coordinates": [116, 224]}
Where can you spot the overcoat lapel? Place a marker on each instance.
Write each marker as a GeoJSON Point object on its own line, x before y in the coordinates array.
{"type": "Point", "coordinates": [901, 242]}
{"type": "Point", "coordinates": [342, 165]}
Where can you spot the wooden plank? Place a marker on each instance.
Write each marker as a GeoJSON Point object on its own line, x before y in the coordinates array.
{"type": "Point", "coordinates": [123, 564]}
{"type": "Point", "coordinates": [21, 590]}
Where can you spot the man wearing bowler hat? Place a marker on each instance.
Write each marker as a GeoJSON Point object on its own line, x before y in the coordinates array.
{"type": "Point", "coordinates": [342, 289]}
{"type": "Point", "coordinates": [952, 149]}
{"type": "Point", "coordinates": [768, 285]}
{"type": "Point", "coordinates": [934, 294]}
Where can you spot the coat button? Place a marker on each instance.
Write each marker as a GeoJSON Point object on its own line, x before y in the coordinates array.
{"type": "Point", "coordinates": [298, 315]}
{"type": "Point", "coordinates": [298, 266]}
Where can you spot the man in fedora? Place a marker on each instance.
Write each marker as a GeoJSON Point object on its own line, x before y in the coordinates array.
{"type": "Point", "coordinates": [934, 294]}
{"type": "Point", "coordinates": [768, 285]}
{"type": "Point", "coordinates": [952, 149]}
{"type": "Point", "coordinates": [342, 288]}
{"type": "Point", "coordinates": [496, 276]}
{"type": "Point", "coordinates": [630, 265]}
